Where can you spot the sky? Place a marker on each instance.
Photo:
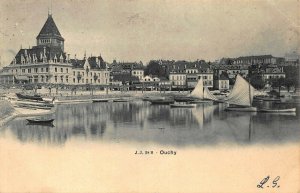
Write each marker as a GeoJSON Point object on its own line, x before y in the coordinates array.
{"type": "Point", "coordinates": [141, 30]}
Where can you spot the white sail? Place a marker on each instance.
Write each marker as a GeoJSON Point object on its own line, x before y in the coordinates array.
{"type": "Point", "coordinates": [242, 92]}
{"type": "Point", "coordinates": [198, 90]}
{"type": "Point", "coordinates": [202, 92]}
{"type": "Point", "coordinates": [208, 95]}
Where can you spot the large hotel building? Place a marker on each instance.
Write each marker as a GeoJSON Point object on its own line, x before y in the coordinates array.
{"type": "Point", "coordinates": [47, 63]}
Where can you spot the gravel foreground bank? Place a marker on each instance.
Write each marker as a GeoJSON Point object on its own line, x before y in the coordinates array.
{"type": "Point", "coordinates": [7, 112]}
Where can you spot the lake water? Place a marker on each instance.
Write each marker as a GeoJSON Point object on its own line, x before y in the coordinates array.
{"type": "Point", "coordinates": [141, 122]}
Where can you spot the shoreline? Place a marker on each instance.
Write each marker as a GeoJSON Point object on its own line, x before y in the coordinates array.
{"type": "Point", "coordinates": [8, 112]}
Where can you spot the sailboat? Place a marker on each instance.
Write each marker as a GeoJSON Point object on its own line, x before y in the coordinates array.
{"type": "Point", "coordinates": [201, 94]}
{"type": "Point", "coordinates": [241, 96]}
{"type": "Point", "coordinates": [198, 95]}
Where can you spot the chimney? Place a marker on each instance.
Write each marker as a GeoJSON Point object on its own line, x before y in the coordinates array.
{"type": "Point", "coordinates": [68, 58]}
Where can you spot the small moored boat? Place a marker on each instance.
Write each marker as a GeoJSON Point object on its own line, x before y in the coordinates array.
{"type": "Point", "coordinates": [266, 99]}
{"type": "Point", "coordinates": [183, 99]}
{"type": "Point", "coordinates": [100, 100]}
{"type": "Point", "coordinates": [182, 105]}
{"type": "Point", "coordinates": [201, 102]}
{"type": "Point", "coordinates": [161, 101]}
{"type": "Point", "coordinates": [120, 100]}
{"type": "Point", "coordinates": [278, 110]}
{"type": "Point", "coordinates": [41, 121]}
{"type": "Point", "coordinates": [241, 108]}
{"type": "Point", "coordinates": [29, 97]}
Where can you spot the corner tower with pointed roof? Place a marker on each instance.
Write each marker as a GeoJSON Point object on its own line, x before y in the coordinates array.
{"type": "Point", "coordinates": [49, 35]}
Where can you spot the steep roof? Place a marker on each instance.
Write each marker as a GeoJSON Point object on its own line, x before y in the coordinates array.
{"type": "Point", "coordinates": [50, 29]}
{"type": "Point", "coordinates": [50, 53]}
{"type": "Point", "coordinates": [94, 62]}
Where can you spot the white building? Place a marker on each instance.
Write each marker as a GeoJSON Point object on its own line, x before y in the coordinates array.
{"type": "Point", "coordinates": [47, 63]}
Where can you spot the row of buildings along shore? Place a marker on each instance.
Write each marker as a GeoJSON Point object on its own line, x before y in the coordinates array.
{"type": "Point", "coordinates": [47, 63]}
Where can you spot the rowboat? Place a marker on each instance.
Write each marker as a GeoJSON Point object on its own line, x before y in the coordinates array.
{"type": "Point", "coordinates": [182, 105]}
{"type": "Point", "coordinates": [183, 99]}
{"type": "Point", "coordinates": [201, 102]}
{"type": "Point", "coordinates": [41, 121]}
{"type": "Point", "coordinates": [266, 99]}
{"type": "Point", "coordinates": [120, 100]}
{"type": "Point", "coordinates": [161, 101]}
{"type": "Point", "coordinates": [100, 100]}
{"type": "Point", "coordinates": [241, 108]}
{"type": "Point", "coordinates": [278, 110]}
{"type": "Point", "coordinates": [30, 97]}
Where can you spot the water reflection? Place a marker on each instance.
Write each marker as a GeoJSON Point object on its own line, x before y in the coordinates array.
{"type": "Point", "coordinates": [141, 122]}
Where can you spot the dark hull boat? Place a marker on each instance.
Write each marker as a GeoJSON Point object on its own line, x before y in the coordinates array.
{"type": "Point", "coordinates": [40, 121]}
{"type": "Point", "coordinates": [120, 100]}
{"type": "Point", "coordinates": [100, 100]}
{"type": "Point", "coordinates": [161, 101]}
{"type": "Point", "coordinates": [29, 97]}
{"type": "Point", "coordinates": [183, 99]}
{"type": "Point", "coordinates": [266, 99]}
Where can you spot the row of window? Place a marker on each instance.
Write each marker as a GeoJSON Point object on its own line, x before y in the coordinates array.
{"type": "Point", "coordinates": [29, 70]}
{"type": "Point", "coordinates": [192, 71]}
{"type": "Point", "coordinates": [45, 41]}
{"type": "Point", "coordinates": [224, 84]}
{"type": "Point", "coordinates": [274, 76]}
{"type": "Point", "coordinates": [138, 72]}
{"type": "Point", "coordinates": [66, 80]}
{"type": "Point", "coordinates": [62, 70]}
{"type": "Point", "coordinates": [36, 80]}
{"type": "Point", "coordinates": [181, 77]}
{"type": "Point", "coordinates": [91, 74]}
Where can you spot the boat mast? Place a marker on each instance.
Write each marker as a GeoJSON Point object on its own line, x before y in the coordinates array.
{"type": "Point", "coordinates": [250, 92]}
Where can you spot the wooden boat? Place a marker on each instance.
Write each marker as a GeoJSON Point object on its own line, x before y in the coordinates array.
{"type": "Point", "coordinates": [289, 102]}
{"type": "Point", "coordinates": [41, 121]}
{"type": "Point", "coordinates": [201, 102]}
{"type": "Point", "coordinates": [120, 100]}
{"type": "Point", "coordinates": [30, 97]}
{"type": "Point", "coordinates": [278, 110]}
{"type": "Point", "coordinates": [147, 98]}
{"type": "Point", "coordinates": [182, 105]}
{"type": "Point", "coordinates": [100, 100]}
{"type": "Point", "coordinates": [241, 96]}
{"type": "Point", "coordinates": [161, 101]}
{"type": "Point", "coordinates": [241, 108]}
{"type": "Point", "coordinates": [183, 99]}
{"type": "Point", "coordinates": [266, 99]}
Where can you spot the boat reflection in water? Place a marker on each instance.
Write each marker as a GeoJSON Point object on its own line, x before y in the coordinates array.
{"type": "Point", "coordinates": [139, 121]}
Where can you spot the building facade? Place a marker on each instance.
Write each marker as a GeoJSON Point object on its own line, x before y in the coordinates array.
{"type": "Point", "coordinates": [221, 83]}
{"type": "Point", "coordinates": [231, 70]}
{"type": "Point", "coordinates": [272, 72]}
{"type": "Point", "coordinates": [47, 63]}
